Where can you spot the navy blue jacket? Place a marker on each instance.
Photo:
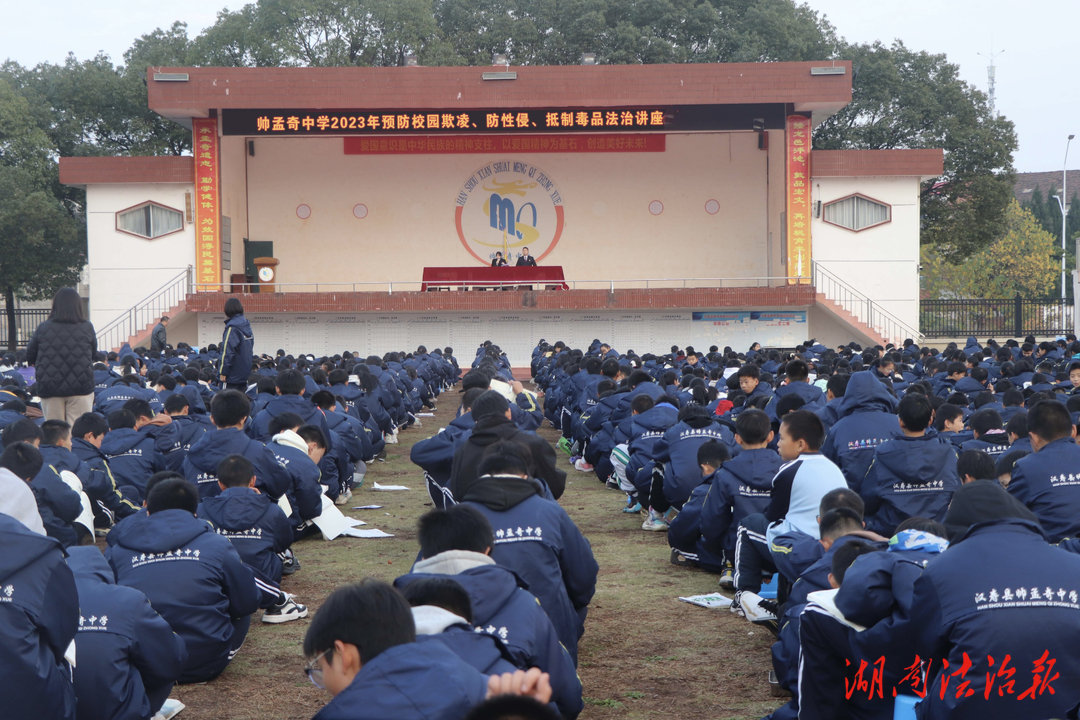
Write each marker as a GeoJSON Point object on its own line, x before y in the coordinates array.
{"type": "Point", "coordinates": [502, 606]}
{"type": "Point", "coordinates": [351, 432]}
{"type": "Point", "coordinates": [684, 532]}
{"type": "Point", "coordinates": [132, 457]}
{"type": "Point", "coordinates": [125, 650]}
{"type": "Point", "coordinates": [742, 486]}
{"type": "Point", "coordinates": [536, 539]}
{"type": "Point", "coordinates": [415, 681]}
{"type": "Point", "coordinates": [200, 466]}
{"type": "Point", "coordinates": [810, 394]}
{"type": "Point", "coordinates": [39, 615]}
{"type": "Point", "coordinates": [867, 418]}
{"type": "Point", "coordinates": [1048, 483]}
{"type": "Point", "coordinates": [192, 428]}
{"type": "Point", "coordinates": [100, 485]}
{"type": "Point", "coordinates": [193, 577]}
{"type": "Point", "coordinates": [305, 492]}
{"type": "Point", "coordinates": [965, 605]}
{"type": "Point", "coordinates": [256, 527]}
{"type": "Point", "coordinates": [677, 451]}
{"type": "Point", "coordinates": [58, 505]}
{"type": "Point", "coordinates": [311, 414]}
{"type": "Point", "coordinates": [994, 444]}
{"type": "Point", "coordinates": [910, 477]}
{"type": "Point", "coordinates": [435, 455]}
{"type": "Point", "coordinates": [113, 399]}
{"type": "Point", "coordinates": [484, 652]}
{"type": "Point", "coordinates": [237, 349]}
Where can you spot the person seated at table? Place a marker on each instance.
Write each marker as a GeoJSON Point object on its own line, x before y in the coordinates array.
{"type": "Point", "coordinates": [525, 260]}
{"type": "Point", "coordinates": [498, 260]}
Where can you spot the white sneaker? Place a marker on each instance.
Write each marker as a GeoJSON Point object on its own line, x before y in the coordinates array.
{"type": "Point", "coordinates": [736, 605]}
{"type": "Point", "coordinates": [286, 611]}
{"type": "Point", "coordinates": [654, 522]}
{"type": "Point", "coordinates": [344, 497]}
{"type": "Point", "coordinates": [751, 607]}
{"type": "Point", "coordinates": [390, 438]}
{"type": "Point", "coordinates": [583, 466]}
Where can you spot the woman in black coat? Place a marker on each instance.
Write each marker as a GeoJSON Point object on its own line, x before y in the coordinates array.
{"type": "Point", "coordinates": [62, 353]}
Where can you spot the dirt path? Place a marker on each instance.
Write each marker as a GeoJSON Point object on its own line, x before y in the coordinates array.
{"type": "Point", "coordinates": [644, 654]}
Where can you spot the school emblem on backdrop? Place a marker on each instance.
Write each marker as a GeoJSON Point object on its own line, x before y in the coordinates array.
{"type": "Point", "coordinates": [506, 206]}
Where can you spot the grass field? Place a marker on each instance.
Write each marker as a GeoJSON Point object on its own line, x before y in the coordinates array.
{"type": "Point", "coordinates": [644, 653]}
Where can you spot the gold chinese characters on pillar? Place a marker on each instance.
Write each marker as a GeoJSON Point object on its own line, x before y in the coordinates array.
{"type": "Point", "coordinates": [207, 206]}
{"type": "Point", "coordinates": [798, 199]}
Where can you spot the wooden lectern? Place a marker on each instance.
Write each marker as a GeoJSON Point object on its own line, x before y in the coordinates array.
{"type": "Point", "coordinates": [266, 270]}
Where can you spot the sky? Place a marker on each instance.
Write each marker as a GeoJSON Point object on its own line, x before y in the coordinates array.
{"type": "Point", "coordinates": [1036, 83]}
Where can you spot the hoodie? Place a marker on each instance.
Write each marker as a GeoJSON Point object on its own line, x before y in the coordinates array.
{"type": "Point", "coordinates": [811, 395]}
{"type": "Point", "coordinates": [503, 606]}
{"type": "Point", "coordinates": [38, 622]}
{"type": "Point", "coordinates": [304, 492]}
{"type": "Point", "coordinates": [191, 428]}
{"type": "Point", "coordinates": [310, 413]}
{"type": "Point", "coordinates": [1048, 484]}
{"type": "Point", "coordinates": [535, 538]}
{"type": "Point", "coordinates": [200, 466]}
{"type": "Point", "coordinates": [495, 428]}
{"type": "Point", "coordinates": [742, 486]}
{"type": "Point", "coordinates": [909, 477]}
{"type": "Point", "coordinates": [677, 452]}
{"type": "Point", "coordinates": [128, 656]}
{"type": "Point", "coordinates": [133, 458]}
{"type": "Point", "coordinates": [484, 652]}
{"type": "Point", "coordinates": [867, 418]}
{"type": "Point", "coordinates": [193, 577]}
{"type": "Point", "coordinates": [111, 503]}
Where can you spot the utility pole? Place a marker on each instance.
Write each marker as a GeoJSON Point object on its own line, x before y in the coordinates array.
{"type": "Point", "coordinates": [991, 73]}
{"type": "Point", "coordinates": [1063, 203]}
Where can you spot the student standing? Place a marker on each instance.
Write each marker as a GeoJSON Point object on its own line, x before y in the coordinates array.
{"type": "Point", "coordinates": [237, 347]}
{"type": "Point", "coordinates": [62, 351]}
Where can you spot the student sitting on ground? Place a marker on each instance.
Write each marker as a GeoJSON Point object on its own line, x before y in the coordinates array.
{"type": "Point", "coordinates": [743, 486]}
{"type": "Point", "coordinates": [975, 465]}
{"type": "Point", "coordinates": [750, 383]}
{"type": "Point", "coordinates": [191, 426]}
{"type": "Point", "coordinates": [684, 532]}
{"type": "Point", "coordinates": [229, 412]}
{"type": "Point", "coordinates": [193, 577]}
{"type": "Point", "coordinates": [131, 454]}
{"type": "Point", "coordinates": [798, 373]}
{"type": "Point", "coordinates": [1040, 481]}
{"type": "Point", "coordinates": [128, 656]}
{"type": "Point", "coordinates": [362, 649]}
{"type": "Point", "coordinates": [300, 458]}
{"type": "Point", "coordinates": [456, 543]}
{"type": "Point", "coordinates": [435, 455]}
{"type": "Point", "coordinates": [442, 612]}
{"type": "Point", "coordinates": [110, 504]}
{"type": "Point", "coordinates": [796, 493]}
{"type": "Point", "coordinates": [949, 423]}
{"type": "Point", "coordinates": [535, 538]}
{"type": "Point", "coordinates": [259, 531]}
{"type": "Point", "coordinates": [911, 476]}
{"type": "Point", "coordinates": [159, 426]}
{"type": "Point", "coordinates": [290, 389]}
{"type": "Point", "coordinates": [866, 418]}
{"type": "Point", "coordinates": [989, 433]}
{"type": "Point", "coordinates": [58, 505]}
{"type": "Point", "coordinates": [38, 621]}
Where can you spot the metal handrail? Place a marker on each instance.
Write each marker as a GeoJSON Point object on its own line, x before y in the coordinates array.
{"type": "Point", "coordinates": [130, 322]}
{"type": "Point", "coordinates": [862, 307]}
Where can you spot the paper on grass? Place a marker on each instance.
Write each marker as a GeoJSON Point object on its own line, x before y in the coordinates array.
{"type": "Point", "coordinates": [425, 414]}
{"type": "Point", "coordinates": [387, 488]}
{"type": "Point", "coordinates": [353, 522]}
{"type": "Point", "coordinates": [368, 507]}
{"type": "Point", "coordinates": [712, 600]}
{"type": "Point", "coordinates": [366, 533]}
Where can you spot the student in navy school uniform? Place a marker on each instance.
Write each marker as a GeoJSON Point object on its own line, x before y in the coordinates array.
{"type": "Point", "coordinates": [750, 382]}
{"type": "Point", "coordinates": [435, 455]}
{"type": "Point", "coordinates": [300, 459]}
{"type": "Point", "coordinates": [290, 387]}
{"type": "Point", "coordinates": [989, 433]}
{"type": "Point", "coordinates": [258, 529]}
{"type": "Point", "coordinates": [110, 502]}
{"type": "Point", "coordinates": [158, 425]}
{"type": "Point", "coordinates": [132, 455]}
{"type": "Point", "coordinates": [866, 418]}
{"type": "Point", "coordinates": [191, 429]}
{"type": "Point", "coordinates": [456, 543]}
{"type": "Point", "coordinates": [37, 626]}
{"type": "Point", "coordinates": [797, 373]}
{"type": "Point", "coordinates": [128, 656]}
{"type": "Point", "coordinates": [949, 424]}
{"type": "Point", "coordinates": [1041, 481]}
{"type": "Point", "coordinates": [58, 505]}
{"type": "Point", "coordinates": [554, 558]}
{"type": "Point", "coordinates": [684, 532]}
{"type": "Point", "coordinates": [192, 576]}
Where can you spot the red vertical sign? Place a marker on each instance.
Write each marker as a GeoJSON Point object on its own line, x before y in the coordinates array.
{"type": "Point", "coordinates": [207, 206]}
{"type": "Point", "coordinates": [798, 199]}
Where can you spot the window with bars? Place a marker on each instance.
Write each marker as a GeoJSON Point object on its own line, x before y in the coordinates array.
{"type": "Point", "coordinates": [150, 220]}
{"type": "Point", "coordinates": [856, 213]}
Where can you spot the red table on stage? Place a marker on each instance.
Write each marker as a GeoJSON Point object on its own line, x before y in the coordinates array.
{"type": "Point", "coordinates": [485, 277]}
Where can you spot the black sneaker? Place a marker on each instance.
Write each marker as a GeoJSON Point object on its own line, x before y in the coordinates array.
{"type": "Point", "coordinates": [289, 562]}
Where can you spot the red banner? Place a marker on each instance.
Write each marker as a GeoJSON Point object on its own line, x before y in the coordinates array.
{"type": "Point", "coordinates": [798, 199]}
{"type": "Point", "coordinates": [462, 144]}
{"type": "Point", "coordinates": [207, 205]}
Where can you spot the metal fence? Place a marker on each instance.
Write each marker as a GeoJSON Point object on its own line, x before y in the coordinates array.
{"type": "Point", "coordinates": [26, 322]}
{"type": "Point", "coordinates": [983, 318]}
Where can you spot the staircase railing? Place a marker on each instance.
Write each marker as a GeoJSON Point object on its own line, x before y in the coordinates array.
{"type": "Point", "coordinates": [146, 311]}
{"type": "Point", "coordinates": [873, 315]}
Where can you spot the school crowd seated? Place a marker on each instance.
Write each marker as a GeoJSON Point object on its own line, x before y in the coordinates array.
{"type": "Point", "coordinates": [900, 518]}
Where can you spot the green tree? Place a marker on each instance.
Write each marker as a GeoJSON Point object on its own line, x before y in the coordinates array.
{"type": "Point", "coordinates": [907, 99]}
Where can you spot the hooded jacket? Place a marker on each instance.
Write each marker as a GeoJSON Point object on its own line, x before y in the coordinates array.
{"type": "Point", "coordinates": [63, 358]}
{"type": "Point", "coordinates": [304, 492]}
{"type": "Point", "coordinates": [354, 439]}
{"type": "Point", "coordinates": [677, 451]}
{"type": "Point", "coordinates": [100, 485]}
{"type": "Point", "coordinates": [811, 395]}
{"type": "Point", "coordinates": [868, 418]}
{"type": "Point", "coordinates": [414, 681]}
{"type": "Point", "coordinates": [502, 606]}
{"type": "Point", "coordinates": [495, 428]}
{"type": "Point", "coordinates": [58, 505]}
{"type": "Point", "coordinates": [308, 411]}
{"type": "Point", "coordinates": [256, 527]}
{"type": "Point", "coordinates": [39, 615]}
{"type": "Point", "coordinates": [237, 349]}
{"type": "Point", "coordinates": [1048, 484]}
{"type": "Point", "coordinates": [17, 501]}
{"type": "Point", "coordinates": [127, 656]}
{"type": "Point", "coordinates": [910, 477]}
{"type": "Point", "coordinates": [1023, 604]}
{"type": "Point", "coordinates": [132, 458]}
{"type": "Point", "coordinates": [796, 494]}
{"type": "Point", "coordinates": [191, 428]}
{"type": "Point", "coordinates": [484, 652]}
{"type": "Point", "coordinates": [535, 538]}
{"type": "Point", "coordinates": [684, 531]}
{"type": "Point", "coordinates": [435, 456]}
{"type": "Point", "coordinates": [742, 486]}
{"type": "Point", "coordinates": [193, 577]}
{"type": "Point", "coordinates": [200, 466]}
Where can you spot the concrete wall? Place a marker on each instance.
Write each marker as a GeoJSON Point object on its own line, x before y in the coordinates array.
{"type": "Point", "coordinates": [881, 262]}
{"type": "Point", "coordinates": [125, 268]}
{"type": "Point", "coordinates": [609, 231]}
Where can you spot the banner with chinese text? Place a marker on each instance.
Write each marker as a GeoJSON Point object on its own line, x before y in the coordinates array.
{"type": "Point", "coordinates": [798, 199]}
{"type": "Point", "coordinates": [454, 144]}
{"type": "Point", "coordinates": [207, 205]}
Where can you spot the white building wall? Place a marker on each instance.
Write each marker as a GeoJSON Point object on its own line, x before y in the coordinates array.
{"type": "Point", "coordinates": [881, 262]}
{"type": "Point", "coordinates": [124, 268]}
